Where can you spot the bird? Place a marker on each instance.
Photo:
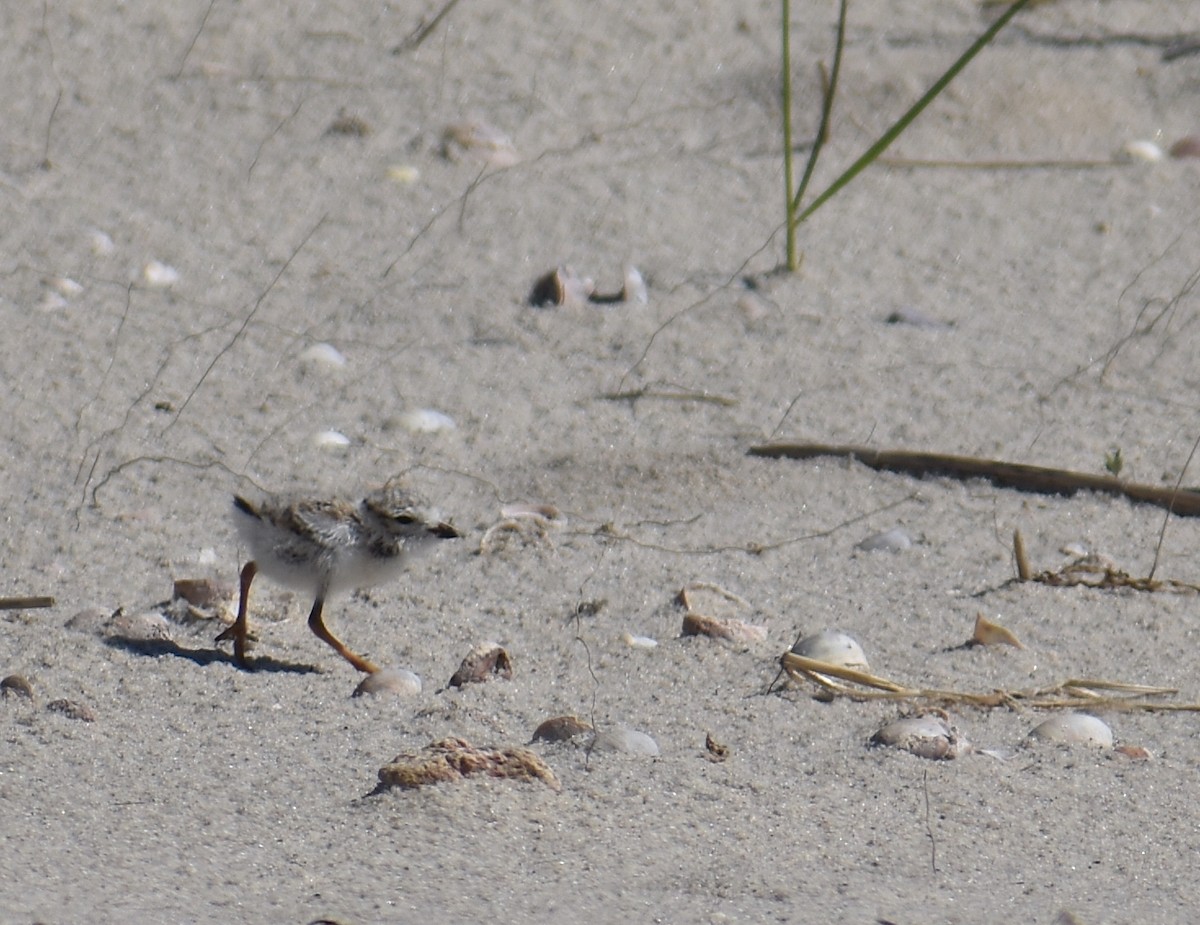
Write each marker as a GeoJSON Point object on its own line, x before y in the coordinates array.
{"type": "Point", "coordinates": [323, 546]}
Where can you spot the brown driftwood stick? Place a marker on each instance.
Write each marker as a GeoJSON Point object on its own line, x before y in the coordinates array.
{"type": "Point", "coordinates": [1183, 501]}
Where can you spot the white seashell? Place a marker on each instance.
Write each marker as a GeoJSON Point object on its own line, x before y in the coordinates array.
{"type": "Point", "coordinates": [324, 355]}
{"type": "Point", "coordinates": [481, 141]}
{"type": "Point", "coordinates": [426, 421]}
{"type": "Point", "coordinates": [1142, 150]}
{"type": "Point", "coordinates": [635, 286]}
{"type": "Point", "coordinates": [331, 439]}
{"type": "Point", "coordinates": [398, 681]}
{"type": "Point", "coordinates": [1074, 729]}
{"type": "Point", "coordinates": [159, 274]}
{"type": "Point", "coordinates": [896, 539]}
{"type": "Point", "coordinates": [52, 302]}
{"type": "Point", "coordinates": [102, 244]}
{"type": "Point", "coordinates": [835, 647]}
{"type": "Point", "coordinates": [638, 642]}
{"type": "Point", "coordinates": [64, 286]}
{"type": "Point", "coordinates": [928, 736]}
{"type": "Point", "coordinates": [626, 741]}
{"type": "Point", "coordinates": [404, 174]}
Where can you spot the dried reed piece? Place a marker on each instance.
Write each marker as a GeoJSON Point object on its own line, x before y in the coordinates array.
{"type": "Point", "coordinates": [1023, 477]}
{"type": "Point", "coordinates": [1072, 694]}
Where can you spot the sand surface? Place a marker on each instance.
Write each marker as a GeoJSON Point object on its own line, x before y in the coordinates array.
{"type": "Point", "coordinates": [220, 140]}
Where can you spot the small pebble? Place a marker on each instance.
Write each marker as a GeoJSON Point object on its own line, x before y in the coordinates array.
{"type": "Point", "coordinates": [404, 174]}
{"type": "Point", "coordinates": [626, 741]}
{"type": "Point", "coordinates": [1185, 147]}
{"type": "Point", "coordinates": [399, 681]}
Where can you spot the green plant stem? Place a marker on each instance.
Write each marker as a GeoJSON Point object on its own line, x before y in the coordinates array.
{"type": "Point", "coordinates": [793, 261]}
{"type": "Point", "coordinates": [905, 120]}
{"type": "Point", "coordinates": [826, 109]}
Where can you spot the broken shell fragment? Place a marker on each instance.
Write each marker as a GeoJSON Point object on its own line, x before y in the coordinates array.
{"type": "Point", "coordinates": [988, 633]}
{"type": "Point", "coordinates": [454, 759]}
{"type": "Point", "coordinates": [480, 141]}
{"type": "Point", "coordinates": [1141, 150]}
{"type": "Point", "coordinates": [200, 592]}
{"type": "Point", "coordinates": [1074, 729]}
{"type": "Point", "coordinates": [697, 624]}
{"type": "Point", "coordinates": [897, 539]}
{"type": "Point", "coordinates": [159, 275]}
{"type": "Point", "coordinates": [561, 286]}
{"type": "Point", "coordinates": [482, 663]}
{"type": "Point", "coordinates": [426, 421]}
{"type": "Point", "coordinates": [929, 736]}
{"type": "Point", "coordinates": [323, 355]}
{"type": "Point", "coordinates": [72, 709]}
{"type": "Point", "coordinates": [16, 686]}
{"type": "Point", "coordinates": [560, 729]}
{"type": "Point", "coordinates": [834, 647]}
{"type": "Point", "coordinates": [399, 681]}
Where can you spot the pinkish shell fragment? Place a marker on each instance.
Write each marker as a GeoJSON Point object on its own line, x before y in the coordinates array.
{"type": "Point", "coordinates": [929, 736]}
{"type": "Point", "coordinates": [1185, 147]}
{"type": "Point", "coordinates": [626, 741]}
{"type": "Point", "coordinates": [698, 624]}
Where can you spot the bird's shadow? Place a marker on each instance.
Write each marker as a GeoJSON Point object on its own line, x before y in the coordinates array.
{"type": "Point", "coordinates": [155, 648]}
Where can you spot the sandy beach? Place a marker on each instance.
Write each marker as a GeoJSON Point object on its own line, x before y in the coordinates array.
{"type": "Point", "coordinates": [243, 255]}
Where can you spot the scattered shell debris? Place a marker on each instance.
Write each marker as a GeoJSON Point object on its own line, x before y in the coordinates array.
{"type": "Point", "coordinates": [561, 729]}
{"type": "Point", "coordinates": [72, 709]}
{"type": "Point", "coordinates": [398, 681]}
{"type": "Point", "coordinates": [323, 354]}
{"type": "Point", "coordinates": [525, 521]}
{"type": "Point", "coordinates": [930, 735]}
{"type": "Point", "coordinates": [454, 759]}
{"type": "Point", "coordinates": [562, 286]}
{"type": "Point", "coordinates": [331, 439]}
{"type": "Point", "coordinates": [626, 741]}
{"type": "Point", "coordinates": [1185, 147]}
{"type": "Point", "coordinates": [1073, 729]}
{"type": "Point", "coordinates": [426, 421]}
{"type": "Point", "coordinates": [481, 664]}
{"type": "Point", "coordinates": [712, 611]}
{"type": "Point", "coordinates": [159, 275]}
{"type": "Point", "coordinates": [988, 633]}
{"type": "Point", "coordinates": [478, 141]}
{"type": "Point", "coordinates": [16, 686]}
{"type": "Point", "coordinates": [697, 624]}
{"type": "Point", "coordinates": [897, 539]}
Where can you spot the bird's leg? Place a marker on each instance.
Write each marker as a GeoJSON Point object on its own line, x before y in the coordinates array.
{"type": "Point", "coordinates": [237, 632]}
{"type": "Point", "coordinates": [317, 625]}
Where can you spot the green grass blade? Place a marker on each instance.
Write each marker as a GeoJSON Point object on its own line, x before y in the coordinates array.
{"type": "Point", "coordinates": [905, 120]}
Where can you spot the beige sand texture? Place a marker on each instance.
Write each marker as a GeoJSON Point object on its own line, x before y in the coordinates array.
{"type": "Point", "coordinates": [219, 139]}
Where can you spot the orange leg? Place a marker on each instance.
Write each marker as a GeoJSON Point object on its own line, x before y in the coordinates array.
{"type": "Point", "coordinates": [317, 625]}
{"type": "Point", "coordinates": [237, 632]}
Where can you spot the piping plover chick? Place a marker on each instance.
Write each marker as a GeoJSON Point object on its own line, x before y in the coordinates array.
{"type": "Point", "coordinates": [322, 546]}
